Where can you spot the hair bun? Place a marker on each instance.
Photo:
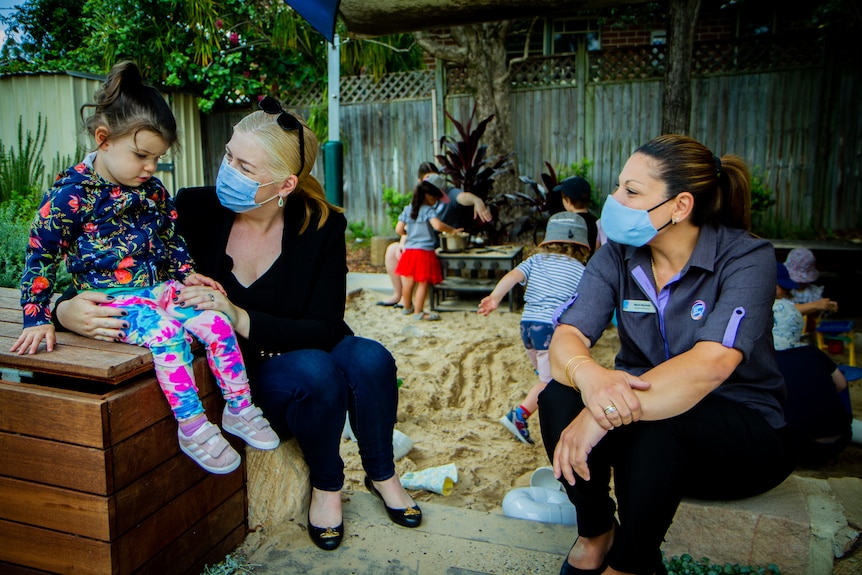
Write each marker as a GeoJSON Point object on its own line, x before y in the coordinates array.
{"type": "Point", "coordinates": [131, 79]}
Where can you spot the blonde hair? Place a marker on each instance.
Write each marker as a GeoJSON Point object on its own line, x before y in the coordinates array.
{"type": "Point", "coordinates": [576, 251]}
{"type": "Point", "coordinates": [282, 147]}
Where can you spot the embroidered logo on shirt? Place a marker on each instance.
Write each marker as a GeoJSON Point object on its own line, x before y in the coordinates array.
{"type": "Point", "coordinates": [698, 308]}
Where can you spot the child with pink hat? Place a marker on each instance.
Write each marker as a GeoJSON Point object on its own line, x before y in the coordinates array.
{"type": "Point", "coordinates": [801, 265]}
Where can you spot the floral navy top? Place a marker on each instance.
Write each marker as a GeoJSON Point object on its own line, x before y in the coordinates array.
{"type": "Point", "coordinates": [110, 235]}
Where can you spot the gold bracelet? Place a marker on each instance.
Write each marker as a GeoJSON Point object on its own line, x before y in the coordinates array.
{"type": "Point", "coordinates": [569, 364]}
{"type": "Point", "coordinates": [579, 365]}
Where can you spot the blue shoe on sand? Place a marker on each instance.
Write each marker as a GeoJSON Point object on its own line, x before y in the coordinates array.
{"type": "Point", "coordinates": [517, 425]}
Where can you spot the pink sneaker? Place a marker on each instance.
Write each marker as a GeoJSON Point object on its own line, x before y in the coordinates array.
{"type": "Point", "coordinates": [250, 425]}
{"type": "Point", "coordinates": [209, 449]}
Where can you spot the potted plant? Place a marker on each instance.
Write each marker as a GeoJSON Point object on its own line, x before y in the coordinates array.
{"type": "Point", "coordinates": [467, 165]}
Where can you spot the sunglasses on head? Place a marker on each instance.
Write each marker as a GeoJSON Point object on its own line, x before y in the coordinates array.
{"type": "Point", "coordinates": [287, 122]}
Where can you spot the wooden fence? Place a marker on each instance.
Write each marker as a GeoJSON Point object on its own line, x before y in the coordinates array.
{"type": "Point", "coordinates": [799, 128]}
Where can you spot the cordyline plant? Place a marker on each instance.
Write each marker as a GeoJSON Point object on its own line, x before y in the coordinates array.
{"type": "Point", "coordinates": [538, 206]}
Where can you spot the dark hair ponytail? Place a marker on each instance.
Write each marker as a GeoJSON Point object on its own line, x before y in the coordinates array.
{"type": "Point", "coordinates": [426, 168]}
{"type": "Point", "coordinates": [721, 187]}
{"type": "Point", "coordinates": [126, 105]}
{"type": "Point", "coordinates": [419, 192]}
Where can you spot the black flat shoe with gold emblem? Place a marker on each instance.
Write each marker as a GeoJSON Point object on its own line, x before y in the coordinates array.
{"type": "Point", "coordinates": [409, 517]}
{"type": "Point", "coordinates": [328, 538]}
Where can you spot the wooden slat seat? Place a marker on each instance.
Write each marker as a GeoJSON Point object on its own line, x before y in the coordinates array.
{"type": "Point", "coordinates": [91, 476]}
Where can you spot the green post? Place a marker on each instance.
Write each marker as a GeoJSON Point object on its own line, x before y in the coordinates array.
{"type": "Point", "coordinates": [333, 166]}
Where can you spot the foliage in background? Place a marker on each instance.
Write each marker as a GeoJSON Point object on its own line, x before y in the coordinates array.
{"type": "Point", "coordinates": [542, 202]}
{"type": "Point", "coordinates": [537, 206]}
{"type": "Point", "coordinates": [360, 230]}
{"type": "Point", "coordinates": [22, 170]}
{"type": "Point", "coordinates": [395, 203]}
{"type": "Point", "coordinates": [686, 565]}
{"type": "Point", "coordinates": [465, 161]}
{"type": "Point", "coordinates": [227, 52]}
{"type": "Point", "coordinates": [14, 235]}
{"type": "Point", "coordinates": [582, 169]}
{"type": "Point", "coordinates": [22, 184]}
{"type": "Point", "coordinates": [768, 225]}
{"type": "Point", "coordinates": [469, 168]}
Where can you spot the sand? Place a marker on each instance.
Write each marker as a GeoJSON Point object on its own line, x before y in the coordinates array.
{"type": "Point", "coordinates": [461, 374]}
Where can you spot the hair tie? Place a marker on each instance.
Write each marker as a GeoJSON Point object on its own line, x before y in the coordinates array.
{"type": "Point", "coordinates": [717, 166]}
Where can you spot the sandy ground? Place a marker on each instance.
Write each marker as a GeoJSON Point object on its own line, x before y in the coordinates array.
{"type": "Point", "coordinates": [461, 374]}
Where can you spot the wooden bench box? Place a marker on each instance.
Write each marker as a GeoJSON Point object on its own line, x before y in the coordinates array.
{"type": "Point", "coordinates": [91, 476]}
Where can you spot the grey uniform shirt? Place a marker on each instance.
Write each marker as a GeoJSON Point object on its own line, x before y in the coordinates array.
{"type": "Point", "coordinates": [724, 294]}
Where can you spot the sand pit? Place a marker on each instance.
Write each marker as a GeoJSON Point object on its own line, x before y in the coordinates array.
{"type": "Point", "coordinates": [461, 374]}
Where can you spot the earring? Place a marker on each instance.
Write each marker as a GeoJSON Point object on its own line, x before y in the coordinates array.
{"type": "Point", "coordinates": [673, 221]}
{"type": "Point", "coordinates": [280, 201]}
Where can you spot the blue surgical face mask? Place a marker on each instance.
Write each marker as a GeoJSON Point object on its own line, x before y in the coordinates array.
{"type": "Point", "coordinates": [236, 191]}
{"type": "Point", "coordinates": [629, 226]}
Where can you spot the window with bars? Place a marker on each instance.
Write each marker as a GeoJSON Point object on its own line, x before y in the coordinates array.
{"type": "Point", "coordinates": [567, 32]}
{"type": "Point", "coordinates": [557, 36]}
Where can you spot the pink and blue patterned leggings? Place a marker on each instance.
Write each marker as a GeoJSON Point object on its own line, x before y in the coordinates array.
{"type": "Point", "coordinates": [157, 323]}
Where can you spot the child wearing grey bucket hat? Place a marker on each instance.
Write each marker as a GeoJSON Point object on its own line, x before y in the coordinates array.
{"type": "Point", "coordinates": [551, 276]}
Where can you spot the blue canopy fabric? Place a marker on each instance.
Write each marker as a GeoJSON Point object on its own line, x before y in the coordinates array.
{"type": "Point", "coordinates": [321, 14]}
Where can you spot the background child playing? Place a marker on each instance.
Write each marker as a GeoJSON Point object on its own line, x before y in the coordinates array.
{"type": "Point", "coordinates": [419, 265]}
{"type": "Point", "coordinates": [808, 297]}
{"type": "Point", "coordinates": [552, 276]}
{"type": "Point", "coordinates": [115, 225]}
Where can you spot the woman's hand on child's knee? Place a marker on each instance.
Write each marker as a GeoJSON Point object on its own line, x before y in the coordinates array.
{"type": "Point", "coordinates": [201, 280]}
{"type": "Point", "coordinates": [89, 314]}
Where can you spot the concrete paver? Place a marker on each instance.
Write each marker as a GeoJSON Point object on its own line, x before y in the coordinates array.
{"type": "Point", "coordinates": [450, 541]}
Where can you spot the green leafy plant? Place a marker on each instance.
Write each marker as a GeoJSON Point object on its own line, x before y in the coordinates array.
{"type": "Point", "coordinates": [359, 230]}
{"type": "Point", "coordinates": [395, 203]}
{"type": "Point", "coordinates": [22, 169]}
{"type": "Point", "coordinates": [582, 169]}
{"type": "Point", "coordinates": [761, 201]}
{"type": "Point", "coordinates": [686, 565]}
{"type": "Point", "coordinates": [231, 565]}
{"type": "Point", "coordinates": [14, 234]}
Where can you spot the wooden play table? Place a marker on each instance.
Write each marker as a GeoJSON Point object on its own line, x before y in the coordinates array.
{"type": "Point", "coordinates": [476, 269]}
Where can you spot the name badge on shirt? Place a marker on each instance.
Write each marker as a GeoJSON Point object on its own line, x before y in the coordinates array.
{"type": "Point", "coordinates": [638, 306]}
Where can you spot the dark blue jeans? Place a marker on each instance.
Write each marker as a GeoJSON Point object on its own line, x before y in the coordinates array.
{"type": "Point", "coordinates": [306, 393]}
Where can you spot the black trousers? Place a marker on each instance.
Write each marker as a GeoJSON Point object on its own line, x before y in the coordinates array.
{"type": "Point", "coordinates": [718, 449]}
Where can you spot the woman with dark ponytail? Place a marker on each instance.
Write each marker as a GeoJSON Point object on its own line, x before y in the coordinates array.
{"type": "Point", "coordinates": [695, 395]}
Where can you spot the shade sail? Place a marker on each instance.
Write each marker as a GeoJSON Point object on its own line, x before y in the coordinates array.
{"type": "Point", "coordinates": [321, 14]}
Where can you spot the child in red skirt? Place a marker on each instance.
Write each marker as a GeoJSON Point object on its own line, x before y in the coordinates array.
{"type": "Point", "coordinates": [419, 265]}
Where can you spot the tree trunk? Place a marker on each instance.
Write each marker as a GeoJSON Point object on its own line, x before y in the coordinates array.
{"type": "Point", "coordinates": [676, 111]}
{"type": "Point", "coordinates": [488, 77]}
{"type": "Point", "coordinates": [481, 49]}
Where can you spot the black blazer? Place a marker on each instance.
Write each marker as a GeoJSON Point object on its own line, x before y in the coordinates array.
{"type": "Point", "coordinates": [312, 273]}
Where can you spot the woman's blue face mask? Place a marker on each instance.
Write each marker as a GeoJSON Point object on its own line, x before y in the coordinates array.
{"type": "Point", "coordinates": [237, 192]}
{"type": "Point", "coordinates": [629, 226]}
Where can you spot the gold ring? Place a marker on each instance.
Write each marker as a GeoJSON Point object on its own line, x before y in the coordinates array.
{"type": "Point", "coordinates": [610, 409]}
{"type": "Point", "coordinates": [212, 297]}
